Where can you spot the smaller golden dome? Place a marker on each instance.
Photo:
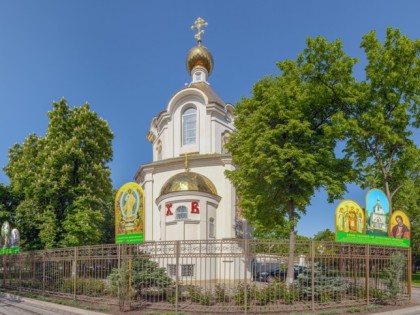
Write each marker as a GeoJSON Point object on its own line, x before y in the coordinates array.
{"type": "Point", "coordinates": [199, 56]}
{"type": "Point", "coordinates": [188, 181]}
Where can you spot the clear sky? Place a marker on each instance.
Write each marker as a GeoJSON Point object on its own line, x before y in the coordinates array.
{"type": "Point", "coordinates": [127, 58]}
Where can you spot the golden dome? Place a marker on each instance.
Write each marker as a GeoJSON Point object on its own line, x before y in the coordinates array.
{"type": "Point", "coordinates": [188, 181]}
{"type": "Point", "coordinates": [199, 56]}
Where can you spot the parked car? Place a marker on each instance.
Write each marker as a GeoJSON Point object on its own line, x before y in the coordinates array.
{"type": "Point", "coordinates": [279, 274]}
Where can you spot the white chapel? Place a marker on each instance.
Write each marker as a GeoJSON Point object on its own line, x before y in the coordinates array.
{"type": "Point", "coordinates": [187, 196]}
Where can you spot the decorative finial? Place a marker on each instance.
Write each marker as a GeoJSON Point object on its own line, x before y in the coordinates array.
{"type": "Point", "coordinates": [198, 24]}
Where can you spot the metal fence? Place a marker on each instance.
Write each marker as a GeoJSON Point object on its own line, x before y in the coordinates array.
{"type": "Point", "coordinates": [229, 276]}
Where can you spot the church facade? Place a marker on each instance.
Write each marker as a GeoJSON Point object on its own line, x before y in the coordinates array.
{"type": "Point", "coordinates": [187, 196]}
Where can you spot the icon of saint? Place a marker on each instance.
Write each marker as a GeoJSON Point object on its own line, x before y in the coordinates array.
{"type": "Point", "coordinates": [400, 230]}
{"type": "Point", "coordinates": [129, 202]}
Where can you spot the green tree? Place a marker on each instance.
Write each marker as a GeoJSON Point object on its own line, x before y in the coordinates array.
{"type": "Point", "coordinates": [64, 179]}
{"type": "Point", "coordinates": [325, 235]}
{"type": "Point", "coordinates": [283, 144]}
{"type": "Point", "coordinates": [377, 125]}
{"type": "Point", "coordinates": [8, 204]}
{"type": "Point", "coordinates": [408, 200]}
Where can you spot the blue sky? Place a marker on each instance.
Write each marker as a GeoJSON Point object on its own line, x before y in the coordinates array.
{"type": "Point", "coordinates": [127, 58]}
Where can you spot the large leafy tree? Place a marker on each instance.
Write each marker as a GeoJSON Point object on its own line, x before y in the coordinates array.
{"type": "Point", "coordinates": [64, 179]}
{"type": "Point", "coordinates": [8, 204]}
{"type": "Point", "coordinates": [283, 144]}
{"type": "Point", "coordinates": [378, 125]}
{"type": "Point", "coordinates": [408, 200]}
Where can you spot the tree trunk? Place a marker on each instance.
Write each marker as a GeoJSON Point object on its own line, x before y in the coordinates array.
{"type": "Point", "coordinates": [388, 195]}
{"type": "Point", "coordinates": [290, 265]}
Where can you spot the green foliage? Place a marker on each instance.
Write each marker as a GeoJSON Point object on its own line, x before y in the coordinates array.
{"type": "Point", "coordinates": [394, 274]}
{"type": "Point", "coordinates": [84, 286]}
{"type": "Point", "coordinates": [326, 235]}
{"type": "Point", "coordinates": [376, 124]}
{"type": "Point", "coordinates": [8, 204]}
{"type": "Point", "coordinates": [204, 297]}
{"type": "Point", "coordinates": [221, 294]}
{"type": "Point", "coordinates": [284, 144]}
{"type": "Point", "coordinates": [64, 180]}
{"type": "Point", "coordinates": [278, 290]}
{"type": "Point", "coordinates": [415, 279]}
{"type": "Point", "coordinates": [242, 294]}
{"type": "Point", "coordinates": [144, 274]}
{"type": "Point", "coordinates": [328, 284]}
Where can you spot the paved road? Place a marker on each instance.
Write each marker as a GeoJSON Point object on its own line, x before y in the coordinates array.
{"type": "Point", "coordinates": [16, 305]}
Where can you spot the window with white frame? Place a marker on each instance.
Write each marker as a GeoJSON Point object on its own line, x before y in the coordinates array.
{"type": "Point", "coordinates": [189, 126]}
{"type": "Point", "coordinates": [181, 213]}
{"type": "Point", "coordinates": [211, 227]}
{"type": "Point", "coordinates": [187, 270]}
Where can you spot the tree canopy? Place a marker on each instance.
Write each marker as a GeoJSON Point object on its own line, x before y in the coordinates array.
{"type": "Point", "coordinates": [64, 180]}
{"type": "Point", "coordinates": [378, 124]}
{"type": "Point", "coordinates": [286, 133]}
{"type": "Point", "coordinates": [325, 235]}
{"type": "Point", "coordinates": [8, 203]}
{"type": "Point", "coordinates": [283, 144]}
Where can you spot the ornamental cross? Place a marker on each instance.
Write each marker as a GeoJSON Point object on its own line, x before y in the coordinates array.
{"type": "Point", "coordinates": [198, 24]}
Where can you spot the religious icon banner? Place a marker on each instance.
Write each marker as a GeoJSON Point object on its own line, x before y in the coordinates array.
{"type": "Point", "coordinates": [399, 225]}
{"type": "Point", "coordinates": [129, 214]}
{"type": "Point", "coordinates": [375, 226]}
{"type": "Point", "coordinates": [377, 208]}
{"type": "Point", "coordinates": [9, 239]}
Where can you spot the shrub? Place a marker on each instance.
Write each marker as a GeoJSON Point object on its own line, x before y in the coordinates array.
{"type": "Point", "coordinates": [221, 294]}
{"type": "Point", "coordinates": [394, 275]}
{"type": "Point", "coordinates": [144, 274]}
{"type": "Point", "coordinates": [328, 285]}
{"type": "Point", "coordinates": [239, 294]}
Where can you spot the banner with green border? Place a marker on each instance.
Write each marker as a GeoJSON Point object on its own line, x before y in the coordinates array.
{"type": "Point", "coordinates": [9, 250]}
{"type": "Point", "coordinates": [371, 239]}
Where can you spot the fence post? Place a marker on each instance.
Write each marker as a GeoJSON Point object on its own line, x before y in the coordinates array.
{"type": "Point", "coordinates": [130, 253]}
{"type": "Point", "coordinates": [246, 241]}
{"type": "Point", "coordinates": [177, 253]}
{"type": "Point", "coordinates": [313, 275]}
{"type": "Point", "coordinates": [20, 271]}
{"type": "Point", "coordinates": [4, 271]}
{"type": "Point", "coordinates": [367, 275]}
{"type": "Point", "coordinates": [74, 273]}
{"type": "Point", "coordinates": [118, 267]}
{"type": "Point", "coordinates": [43, 272]}
{"type": "Point", "coordinates": [409, 274]}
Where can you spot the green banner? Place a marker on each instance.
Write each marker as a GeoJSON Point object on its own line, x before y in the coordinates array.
{"type": "Point", "coordinates": [9, 250]}
{"type": "Point", "coordinates": [371, 239]}
{"type": "Point", "coordinates": [130, 238]}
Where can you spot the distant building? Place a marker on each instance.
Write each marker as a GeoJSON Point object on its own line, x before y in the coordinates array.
{"type": "Point", "coordinates": [378, 218]}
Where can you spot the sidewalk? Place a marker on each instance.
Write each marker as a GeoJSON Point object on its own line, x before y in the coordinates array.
{"type": "Point", "coordinates": [40, 307]}
{"type": "Point", "coordinates": [414, 310]}
{"type": "Point", "coordinates": [411, 310]}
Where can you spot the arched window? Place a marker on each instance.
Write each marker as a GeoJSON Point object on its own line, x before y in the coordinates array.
{"type": "Point", "coordinates": [189, 126]}
{"type": "Point", "coordinates": [211, 227]}
{"type": "Point", "coordinates": [181, 213]}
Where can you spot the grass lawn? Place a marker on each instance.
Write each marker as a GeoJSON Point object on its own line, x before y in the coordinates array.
{"type": "Point", "coordinates": [415, 279]}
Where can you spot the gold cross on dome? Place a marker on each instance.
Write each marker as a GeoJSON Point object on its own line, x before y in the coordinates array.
{"type": "Point", "coordinates": [198, 24]}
